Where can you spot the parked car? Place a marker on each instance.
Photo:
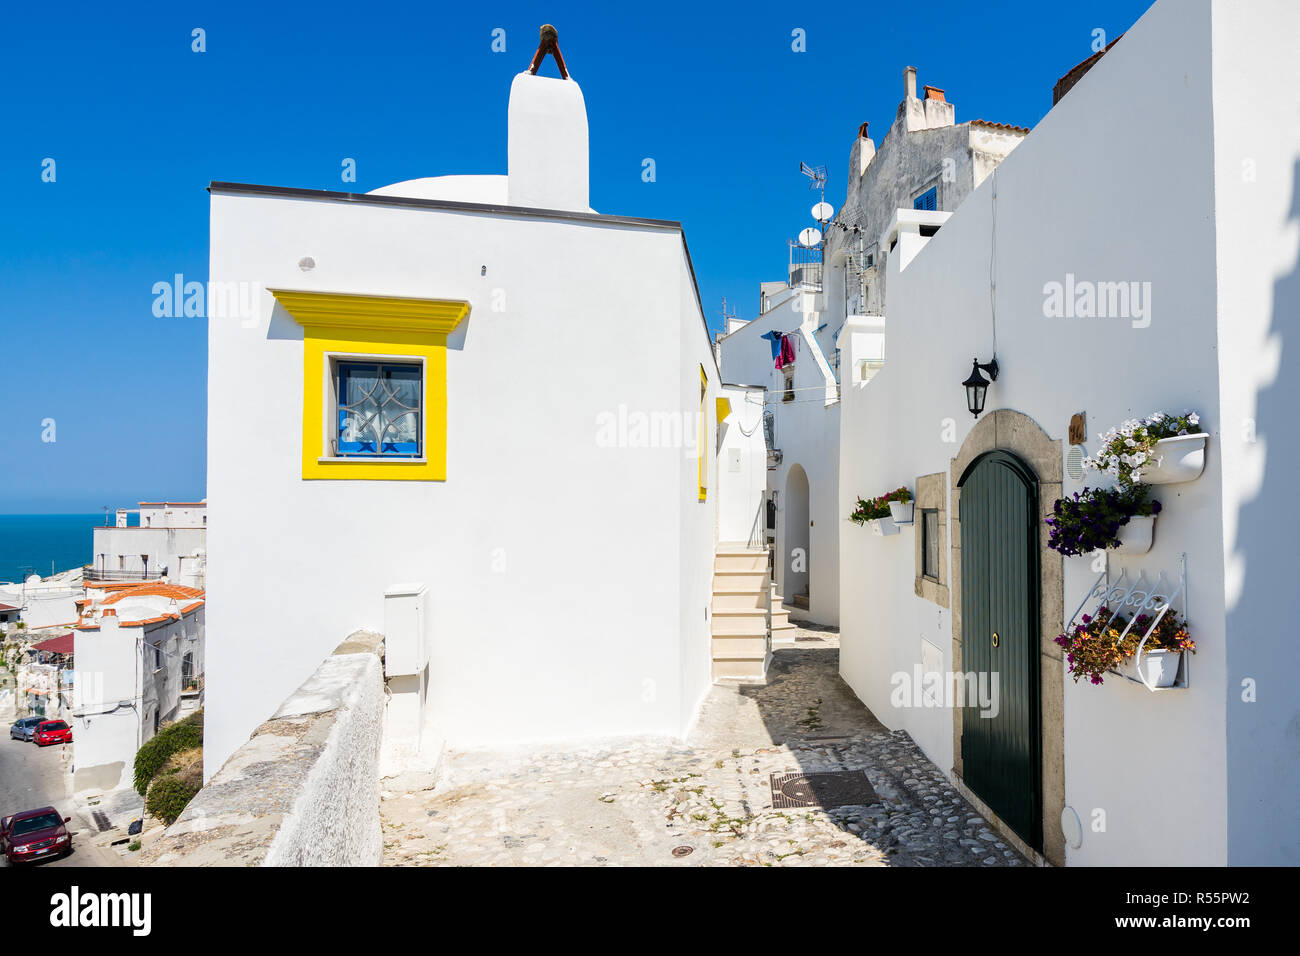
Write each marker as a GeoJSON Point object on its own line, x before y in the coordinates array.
{"type": "Point", "coordinates": [24, 729]}
{"type": "Point", "coordinates": [35, 835]}
{"type": "Point", "coordinates": [52, 732]}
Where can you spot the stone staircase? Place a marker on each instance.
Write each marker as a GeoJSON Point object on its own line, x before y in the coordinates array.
{"type": "Point", "coordinates": [741, 598]}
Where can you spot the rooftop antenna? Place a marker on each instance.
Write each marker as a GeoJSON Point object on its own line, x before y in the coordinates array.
{"type": "Point", "coordinates": [816, 176]}
{"type": "Point", "coordinates": [727, 316]}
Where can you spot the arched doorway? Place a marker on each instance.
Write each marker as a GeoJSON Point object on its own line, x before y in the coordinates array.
{"type": "Point", "coordinates": [797, 558]}
{"type": "Point", "coordinates": [999, 618]}
{"type": "Point", "coordinates": [1012, 455]}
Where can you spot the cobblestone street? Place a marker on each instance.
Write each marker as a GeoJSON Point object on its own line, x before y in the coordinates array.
{"type": "Point", "coordinates": [707, 801]}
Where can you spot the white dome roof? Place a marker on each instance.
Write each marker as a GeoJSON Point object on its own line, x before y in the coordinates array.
{"type": "Point", "coordinates": [490, 190]}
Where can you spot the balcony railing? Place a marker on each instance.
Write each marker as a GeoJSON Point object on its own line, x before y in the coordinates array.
{"type": "Point", "coordinates": [92, 573]}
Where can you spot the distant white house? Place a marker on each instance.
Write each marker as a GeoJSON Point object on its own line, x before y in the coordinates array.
{"type": "Point", "coordinates": [170, 540]}
{"type": "Point", "coordinates": [139, 662]}
{"type": "Point", "coordinates": [422, 431]}
{"type": "Point", "coordinates": [1169, 179]}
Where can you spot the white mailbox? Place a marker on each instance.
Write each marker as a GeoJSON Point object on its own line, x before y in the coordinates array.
{"type": "Point", "coordinates": [406, 629]}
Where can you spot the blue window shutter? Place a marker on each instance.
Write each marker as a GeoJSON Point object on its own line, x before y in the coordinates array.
{"type": "Point", "coordinates": [928, 200]}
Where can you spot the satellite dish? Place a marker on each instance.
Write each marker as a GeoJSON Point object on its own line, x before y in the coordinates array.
{"type": "Point", "coordinates": [822, 212]}
{"type": "Point", "coordinates": [810, 237]}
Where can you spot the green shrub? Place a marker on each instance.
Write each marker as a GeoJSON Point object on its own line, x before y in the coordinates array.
{"type": "Point", "coordinates": [168, 797]}
{"type": "Point", "coordinates": [149, 759]}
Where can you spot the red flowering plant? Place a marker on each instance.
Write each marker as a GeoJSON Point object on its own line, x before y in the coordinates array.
{"type": "Point", "coordinates": [869, 510]}
{"type": "Point", "coordinates": [873, 508]}
{"type": "Point", "coordinates": [1093, 646]}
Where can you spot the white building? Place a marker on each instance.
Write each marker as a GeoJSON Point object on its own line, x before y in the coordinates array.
{"type": "Point", "coordinates": [1173, 164]}
{"type": "Point", "coordinates": [41, 602]}
{"type": "Point", "coordinates": [169, 541]}
{"type": "Point", "coordinates": [139, 664]}
{"type": "Point", "coordinates": [552, 499]}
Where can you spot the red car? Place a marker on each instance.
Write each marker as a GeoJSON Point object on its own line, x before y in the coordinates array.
{"type": "Point", "coordinates": [52, 732]}
{"type": "Point", "coordinates": [35, 835]}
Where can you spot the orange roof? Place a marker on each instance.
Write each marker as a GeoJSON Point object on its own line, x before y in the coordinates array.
{"type": "Point", "coordinates": [158, 589]}
{"type": "Point", "coordinates": [1008, 126]}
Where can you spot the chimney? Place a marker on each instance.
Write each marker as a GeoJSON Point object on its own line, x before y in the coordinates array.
{"type": "Point", "coordinates": [121, 517]}
{"type": "Point", "coordinates": [934, 93]}
{"type": "Point", "coordinates": [547, 142]}
{"type": "Point", "coordinates": [909, 82]}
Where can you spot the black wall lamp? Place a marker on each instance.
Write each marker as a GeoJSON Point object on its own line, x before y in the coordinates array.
{"type": "Point", "coordinates": [977, 385]}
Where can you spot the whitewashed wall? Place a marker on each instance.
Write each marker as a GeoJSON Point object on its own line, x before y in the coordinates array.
{"type": "Point", "coordinates": [559, 570]}
{"type": "Point", "coordinates": [1116, 183]}
{"type": "Point", "coordinates": [742, 514]}
{"type": "Point", "coordinates": [1257, 212]}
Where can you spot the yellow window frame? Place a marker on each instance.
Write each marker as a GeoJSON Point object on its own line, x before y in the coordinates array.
{"type": "Point", "coordinates": [704, 461]}
{"type": "Point", "coordinates": [347, 326]}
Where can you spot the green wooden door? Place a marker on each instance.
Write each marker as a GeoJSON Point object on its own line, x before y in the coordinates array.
{"type": "Point", "coordinates": [999, 617]}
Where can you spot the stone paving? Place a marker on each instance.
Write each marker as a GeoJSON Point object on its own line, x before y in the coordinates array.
{"type": "Point", "coordinates": [706, 801]}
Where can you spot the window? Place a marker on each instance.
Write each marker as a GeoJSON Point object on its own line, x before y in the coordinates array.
{"type": "Point", "coordinates": [378, 332]}
{"type": "Point", "coordinates": [789, 385]}
{"type": "Point", "coordinates": [378, 408]}
{"type": "Point", "coordinates": [928, 200]}
{"type": "Point", "coordinates": [930, 543]}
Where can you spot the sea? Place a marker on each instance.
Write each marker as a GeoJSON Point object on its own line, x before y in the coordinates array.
{"type": "Point", "coordinates": [33, 544]}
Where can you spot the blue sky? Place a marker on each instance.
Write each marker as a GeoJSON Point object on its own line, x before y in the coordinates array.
{"type": "Point", "coordinates": [138, 124]}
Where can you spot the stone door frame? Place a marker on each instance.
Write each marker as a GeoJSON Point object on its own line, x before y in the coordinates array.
{"type": "Point", "coordinates": [1019, 434]}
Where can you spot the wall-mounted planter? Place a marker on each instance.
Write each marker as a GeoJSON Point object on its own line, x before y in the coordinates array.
{"type": "Point", "coordinates": [1181, 458]}
{"type": "Point", "coordinates": [1136, 536]}
{"type": "Point", "coordinates": [881, 527]}
{"type": "Point", "coordinates": [1158, 668]}
{"type": "Point", "coordinates": [902, 513]}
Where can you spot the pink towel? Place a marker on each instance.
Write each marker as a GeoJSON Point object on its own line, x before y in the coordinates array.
{"type": "Point", "coordinates": [787, 352]}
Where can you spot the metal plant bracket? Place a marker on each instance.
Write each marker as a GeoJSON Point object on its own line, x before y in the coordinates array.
{"type": "Point", "coordinates": [1134, 598]}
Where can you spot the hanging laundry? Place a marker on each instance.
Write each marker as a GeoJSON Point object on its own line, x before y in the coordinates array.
{"type": "Point", "coordinates": [775, 339]}
{"type": "Point", "coordinates": [787, 352]}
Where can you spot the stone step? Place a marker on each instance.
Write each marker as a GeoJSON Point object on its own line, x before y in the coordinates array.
{"type": "Point", "coordinates": [740, 561]}
{"type": "Point", "coordinates": [740, 600]}
{"type": "Point", "coordinates": [737, 670]}
{"type": "Point", "coordinates": [740, 622]}
{"type": "Point", "coordinates": [739, 580]}
{"type": "Point", "coordinates": [733, 647]}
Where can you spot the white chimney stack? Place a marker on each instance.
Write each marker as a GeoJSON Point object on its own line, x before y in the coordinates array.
{"type": "Point", "coordinates": [547, 148]}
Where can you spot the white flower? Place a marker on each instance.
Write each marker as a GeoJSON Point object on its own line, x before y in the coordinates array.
{"type": "Point", "coordinates": [1138, 459]}
{"type": "Point", "coordinates": [1130, 442]}
{"type": "Point", "coordinates": [1194, 418]}
{"type": "Point", "coordinates": [1158, 417]}
{"type": "Point", "coordinates": [1136, 476]}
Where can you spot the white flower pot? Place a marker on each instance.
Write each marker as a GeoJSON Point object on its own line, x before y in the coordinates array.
{"type": "Point", "coordinates": [900, 512]}
{"type": "Point", "coordinates": [1181, 458]}
{"type": "Point", "coordinates": [1157, 668]}
{"type": "Point", "coordinates": [883, 526]}
{"type": "Point", "coordinates": [1136, 536]}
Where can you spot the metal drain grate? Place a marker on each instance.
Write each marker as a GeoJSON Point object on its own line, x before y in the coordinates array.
{"type": "Point", "coordinates": [837, 788]}
{"type": "Point", "coordinates": [101, 820]}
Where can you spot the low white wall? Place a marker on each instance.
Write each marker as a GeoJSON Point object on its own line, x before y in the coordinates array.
{"type": "Point", "coordinates": [304, 789]}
